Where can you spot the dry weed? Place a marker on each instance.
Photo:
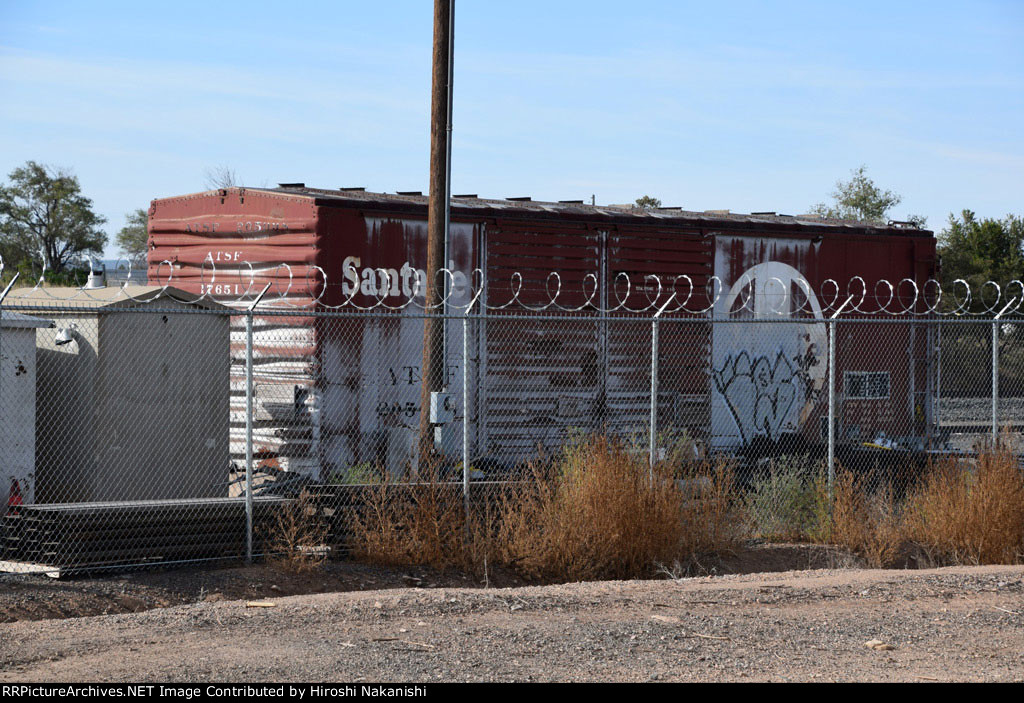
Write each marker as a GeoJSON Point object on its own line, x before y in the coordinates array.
{"type": "Point", "coordinates": [963, 514]}
{"type": "Point", "coordinates": [296, 540]}
{"type": "Point", "coordinates": [421, 523]}
{"type": "Point", "coordinates": [601, 512]}
{"type": "Point", "coordinates": [865, 522]}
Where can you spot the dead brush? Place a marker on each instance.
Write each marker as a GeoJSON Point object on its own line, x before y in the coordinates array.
{"type": "Point", "coordinates": [296, 539]}
{"type": "Point", "coordinates": [599, 512]}
{"type": "Point", "coordinates": [414, 524]}
{"type": "Point", "coordinates": [865, 522]}
{"type": "Point", "coordinates": [965, 515]}
{"type": "Point", "coordinates": [712, 513]}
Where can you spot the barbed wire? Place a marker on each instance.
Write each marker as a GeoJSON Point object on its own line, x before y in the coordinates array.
{"type": "Point", "coordinates": [767, 297]}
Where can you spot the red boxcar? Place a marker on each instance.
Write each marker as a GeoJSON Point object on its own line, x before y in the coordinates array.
{"type": "Point", "coordinates": [334, 392]}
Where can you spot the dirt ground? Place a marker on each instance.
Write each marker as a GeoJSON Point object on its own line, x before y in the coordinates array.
{"type": "Point", "coordinates": [35, 597]}
{"type": "Point", "coordinates": [960, 624]}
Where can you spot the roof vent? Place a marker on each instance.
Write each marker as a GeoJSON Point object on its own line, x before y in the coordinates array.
{"type": "Point", "coordinates": [467, 195]}
{"type": "Point", "coordinates": [716, 212]}
{"type": "Point", "coordinates": [97, 277]}
{"type": "Point", "coordinates": [571, 202]}
{"type": "Point", "coordinates": [521, 199]}
{"type": "Point", "coordinates": [291, 185]}
{"type": "Point", "coordinates": [410, 192]}
{"type": "Point", "coordinates": [764, 212]}
{"type": "Point", "coordinates": [360, 189]}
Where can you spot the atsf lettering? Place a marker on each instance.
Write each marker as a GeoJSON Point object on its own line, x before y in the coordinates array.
{"type": "Point", "coordinates": [226, 256]}
{"type": "Point", "coordinates": [411, 376]}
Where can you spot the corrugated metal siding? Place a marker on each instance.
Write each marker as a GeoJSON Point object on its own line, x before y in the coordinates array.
{"type": "Point", "coordinates": [874, 258]}
{"type": "Point", "coordinates": [546, 378]}
{"type": "Point", "coordinates": [684, 347]}
{"type": "Point", "coordinates": [210, 240]}
{"type": "Point", "coordinates": [541, 377]}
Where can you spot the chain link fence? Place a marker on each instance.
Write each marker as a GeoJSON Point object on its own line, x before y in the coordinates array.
{"type": "Point", "coordinates": [152, 429]}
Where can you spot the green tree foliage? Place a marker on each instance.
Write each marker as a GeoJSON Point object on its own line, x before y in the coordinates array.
{"type": "Point", "coordinates": [982, 250]}
{"type": "Point", "coordinates": [860, 199]}
{"type": "Point", "coordinates": [133, 239]}
{"type": "Point", "coordinates": [646, 202]}
{"type": "Point", "coordinates": [45, 219]}
{"type": "Point", "coordinates": [976, 251]}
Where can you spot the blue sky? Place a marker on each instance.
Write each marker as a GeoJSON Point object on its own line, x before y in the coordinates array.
{"type": "Point", "coordinates": [741, 105]}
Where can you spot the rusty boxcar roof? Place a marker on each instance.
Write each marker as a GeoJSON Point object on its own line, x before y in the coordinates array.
{"type": "Point", "coordinates": [465, 206]}
{"type": "Point", "coordinates": [469, 206]}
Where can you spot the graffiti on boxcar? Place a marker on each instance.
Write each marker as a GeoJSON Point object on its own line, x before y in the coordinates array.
{"type": "Point", "coordinates": [760, 392]}
{"type": "Point", "coordinates": [767, 377]}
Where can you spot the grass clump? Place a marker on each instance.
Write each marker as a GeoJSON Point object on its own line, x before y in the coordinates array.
{"type": "Point", "coordinates": [958, 512]}
{"type": "Point", "coordinates": [601, 512]}
{"type": "Point", "coordinates": [422, 524]}
{"type": "Point", "coordinates": [296, 539]}
{"type": "Point", "coordinates": [962, 514]}
{"type": "Point", "coordinates": [785, 503]}
{"type": "Point", "coordinates": [598, 511]}
{"type": "Point", "coordinates": [866, 522]}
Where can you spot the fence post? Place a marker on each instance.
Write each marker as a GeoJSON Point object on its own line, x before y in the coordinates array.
{"type": "Point", "coordinates": [248, 423]}
{"type": "Point", "coordinates": [465, 405]}
{"type": "Point", "coordinates": [832, 326]}
{"type": "Point", "coordinates": [995, 380]}
{"type": "Point", "coordinates": [465, 414]}
{"type": "Point", "coordinates": [653, 429]}
{"type": "Point", "coordinates": [995, 368]}
{"type": "Point", "coordinates": [3, 295]}
{"type": "Point", "coordinates": [831, 407]}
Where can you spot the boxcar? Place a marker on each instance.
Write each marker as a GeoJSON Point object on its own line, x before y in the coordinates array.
{"type": "Point", "coordinates": [341, 390]}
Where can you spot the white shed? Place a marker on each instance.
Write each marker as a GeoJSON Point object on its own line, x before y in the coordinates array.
{"type": "Point", "coordinates": [18, 404]}
{"type": "Point", "coordinates": [133, 394]}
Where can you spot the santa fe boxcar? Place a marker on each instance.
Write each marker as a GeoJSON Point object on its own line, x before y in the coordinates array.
{"type": "Point", "coordinates": [334, 392]}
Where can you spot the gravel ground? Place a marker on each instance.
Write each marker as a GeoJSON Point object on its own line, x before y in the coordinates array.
{"type": "Point", "coordinates": [954, 410]}
{"type": "Point", "coordinates": [963, 624]}
{"type": "Point", "coordinates": [37, 597]}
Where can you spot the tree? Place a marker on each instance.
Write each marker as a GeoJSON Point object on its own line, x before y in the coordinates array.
{"type": "Point", "coordinates": [220, 177]}
{"type": "Point", "coordinates": [45, 219]}
{"type": "Point", "coordinates": [981, 250]}
{"type": "Point", "coordinates": [646, 202]}
{"type": "Point", "coordinates": [134, 236]}
{"type": "Point", "coordinates": [860, 199]}
{"type": "Point", "coordinates": [977, 251]}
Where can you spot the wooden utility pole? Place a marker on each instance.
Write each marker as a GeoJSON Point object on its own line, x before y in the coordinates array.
{"type": "Point", "coordinates": [437, 220]}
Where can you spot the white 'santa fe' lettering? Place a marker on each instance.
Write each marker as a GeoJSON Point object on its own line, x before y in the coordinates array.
{"type": "Point", "coordinates": [406, 281]}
